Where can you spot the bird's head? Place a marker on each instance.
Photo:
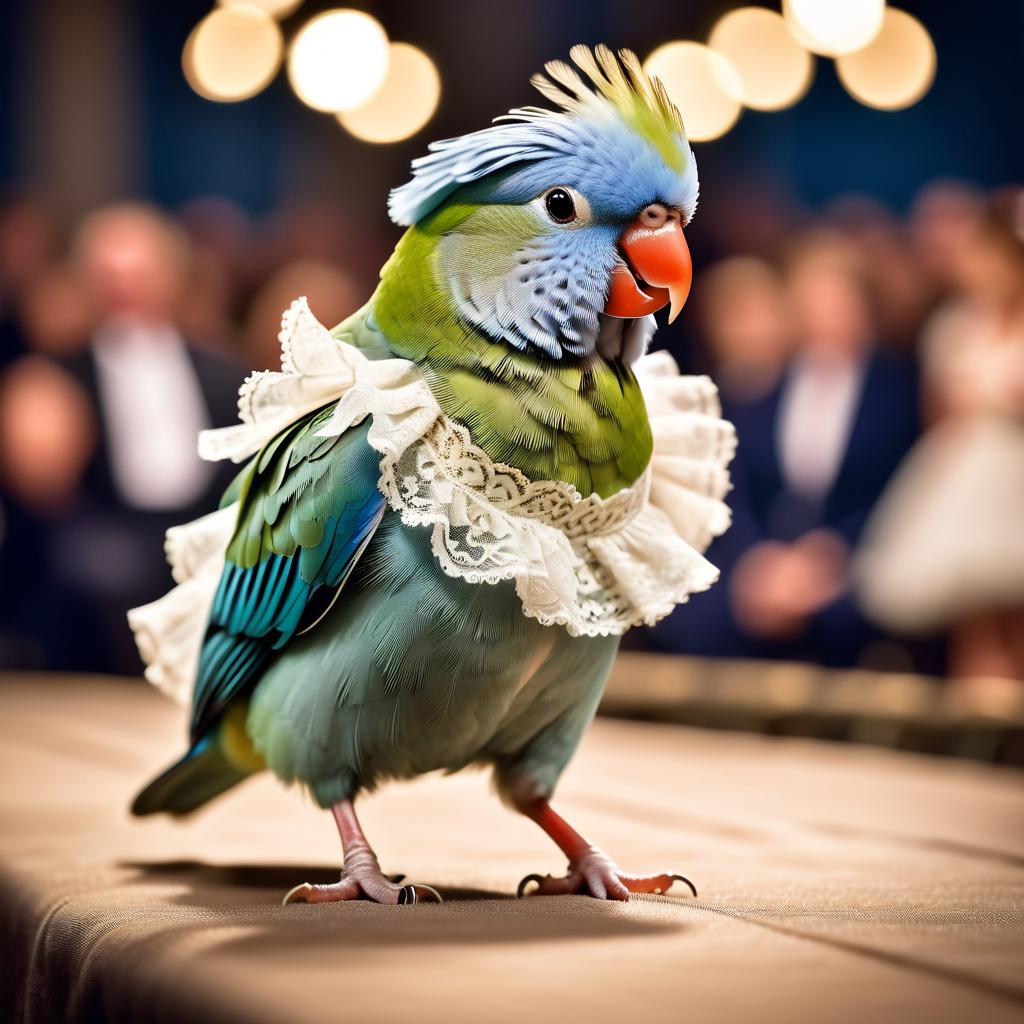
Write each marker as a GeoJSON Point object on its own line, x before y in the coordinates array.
{"type": "Point", "coordinates": [560, 231]}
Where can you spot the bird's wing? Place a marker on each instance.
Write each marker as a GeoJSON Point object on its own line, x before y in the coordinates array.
{"type": "Point", "coordinates": [308, 506]}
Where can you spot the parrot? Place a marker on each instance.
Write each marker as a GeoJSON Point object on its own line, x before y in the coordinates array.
{"type": "Point", "coordinates": [338, 653]}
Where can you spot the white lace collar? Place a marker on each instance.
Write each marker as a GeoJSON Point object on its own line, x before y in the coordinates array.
{"type": "Point", "coordinates": [595, 566]}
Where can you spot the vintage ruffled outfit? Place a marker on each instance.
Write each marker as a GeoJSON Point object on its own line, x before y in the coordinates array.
{"type": "Point", "coordinates": [595, 566]}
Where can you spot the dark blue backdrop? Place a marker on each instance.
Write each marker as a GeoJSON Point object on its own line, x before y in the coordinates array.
{"type": "Point", "coordinates": [271, 147]}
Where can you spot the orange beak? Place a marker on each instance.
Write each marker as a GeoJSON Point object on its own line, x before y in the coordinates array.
{"type": "Point", "coordinates": [657, 271]}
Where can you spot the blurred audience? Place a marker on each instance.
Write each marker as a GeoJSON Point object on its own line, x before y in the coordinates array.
{"type": "Point", "coordinates": [946, 545]}
{"type": "Point", "coordinates": [816, 448]}
{"type": "Point", "coordinates": [115, 352]}
{"type": "Point", "coordinates": [100, 442]}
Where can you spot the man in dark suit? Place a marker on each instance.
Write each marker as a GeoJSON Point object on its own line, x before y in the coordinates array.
{"type": "Point", "coordinates": [152, 392]}
{"type": "Point", "coordinates": [815, 453]}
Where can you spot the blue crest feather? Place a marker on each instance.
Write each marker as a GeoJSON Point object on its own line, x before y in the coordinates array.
{"type": "Point", "coordinates": [622, 110]}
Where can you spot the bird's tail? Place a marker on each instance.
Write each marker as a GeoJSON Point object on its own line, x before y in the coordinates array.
{"type": "Point", "coordinates": [212, 766]}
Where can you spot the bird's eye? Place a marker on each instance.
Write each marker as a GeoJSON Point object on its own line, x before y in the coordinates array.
{"type": "Point", "coordinates": [560, 205]}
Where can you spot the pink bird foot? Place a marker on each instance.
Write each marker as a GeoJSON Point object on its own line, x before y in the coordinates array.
{"type": "Point", "coordinates": [361, 876]}
{"type": "Point", "coordinates": [596, 874]}
{"type": "Point", "coordinates": [591, 871]}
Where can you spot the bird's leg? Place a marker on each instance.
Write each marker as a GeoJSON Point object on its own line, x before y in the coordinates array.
{"type": "Point", "coordinates": [591, 870]}
{"type": "Point", "coordinates": [361, 875]}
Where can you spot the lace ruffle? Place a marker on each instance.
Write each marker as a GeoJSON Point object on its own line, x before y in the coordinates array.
{"type": "Point", "coordinates": [169, 632]}
{"type": "Point", "coordinates": [595, 566]}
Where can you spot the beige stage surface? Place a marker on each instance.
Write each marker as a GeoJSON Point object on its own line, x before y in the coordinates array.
{"type": "Point", "coordinates": [837, 883]}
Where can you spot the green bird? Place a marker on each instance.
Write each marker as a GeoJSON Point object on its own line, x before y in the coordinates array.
{"type": "Point", "coordinates": [354, 636]}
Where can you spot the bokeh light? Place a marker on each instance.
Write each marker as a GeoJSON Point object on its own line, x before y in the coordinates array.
{"type": "Point", "coordinates": [833, 27]}
{"type": "Point", "coordinates": [275, 8]}
{"type": "Point", "coordinates": [774, 69]}
{"type": "Point", "coordinates": [896, 69]}
{"type": "Point", "coordinates": [403, 104]}
{"type": "Point", "coordinates": [338, 60]}
{"type": "Point", "coordinates": [703, 85]}
{"type": "Point", "coordinates": [232, 54]}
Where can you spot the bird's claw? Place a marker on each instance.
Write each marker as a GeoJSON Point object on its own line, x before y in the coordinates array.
{"type": "Point", "coordinates": [297, 894]}
{"type": "Point", "coordinates": [410, 893]}
{"type": "Point", "coordinates": [521, 888]}
{"type": "Point", "coordinates": [685, 881]}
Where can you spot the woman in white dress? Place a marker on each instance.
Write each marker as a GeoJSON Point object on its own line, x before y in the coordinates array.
{"type": "Point", "coordinates": [945, 548]}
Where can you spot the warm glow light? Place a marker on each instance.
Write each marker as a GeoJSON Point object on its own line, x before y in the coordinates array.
{"type": "Point", "coordinates": [703, 85]}
{"type": "Point", "coordinates": [403, 104]}
{"type": "Point", "coordinates": [896, 69]}
{"type": "Point", "coordinates": [833, 27]}
{"type": "Point", "coordinates": [275, 8]}
{"type": "Point", "coordinates": [232, 54]}
{"type": "Point", "coordinates": [774, 69]}
{"type": "Point", "coordinates": [338, 60]}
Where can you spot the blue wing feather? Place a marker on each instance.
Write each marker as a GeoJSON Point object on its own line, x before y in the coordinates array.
{"type": "Point", "coordinates": [308, 507]}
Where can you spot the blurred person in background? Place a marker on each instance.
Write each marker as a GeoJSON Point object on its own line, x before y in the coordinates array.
{"type": "Point", "coordinates": [746, 327]}
{"type": "Point", "coordinates": [204, 313]}
{"type": "Point", "coordinates": [901, 290]}
{"type": "Point", "coordinates": [54, 312]}
{"type": "Point", "coordinates": [746, 331]}
{"type": "Point", "coordinates": [223, 270]}
{"type": "Point", "coordinates": [946, 548]}
{"type": "Point", "coordinates": [47, 436]}
{"type": "Point", "coordinates": [943, 214]}
{"type": "Point", "coordinates": [150, 391]}
{"type": "Point", "coordinates": [324, 232]}
{"type": "Point", "coordinates": [332, 295]}
{"type": "Point", "coordinates": [27, 241]}
{"type": "Point", "coordinates": [749, 214]}
{"type": "Point", "coordinates": [815, 452]}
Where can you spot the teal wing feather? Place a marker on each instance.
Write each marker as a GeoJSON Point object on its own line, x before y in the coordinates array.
{"type": "Point", "coordinates": [308, 506]}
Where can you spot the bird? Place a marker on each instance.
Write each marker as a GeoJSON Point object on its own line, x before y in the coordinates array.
{"type": "Point", "coordinates": [453, 504]}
